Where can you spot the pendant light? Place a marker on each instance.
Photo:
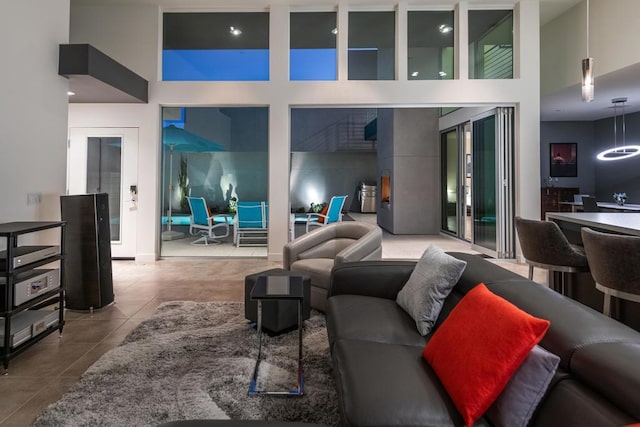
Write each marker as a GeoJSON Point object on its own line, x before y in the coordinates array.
{"type": "Point", "coordinates": [587, 70]}
{"type": "Point", "coordinates": [624, 151]}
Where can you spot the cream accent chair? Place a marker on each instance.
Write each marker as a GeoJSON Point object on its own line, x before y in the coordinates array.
{"type": "Point", "coordinates": [314, 254]}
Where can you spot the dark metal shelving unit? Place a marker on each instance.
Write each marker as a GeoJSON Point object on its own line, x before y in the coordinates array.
{"type": "Point", "coordinates": [8, 309]}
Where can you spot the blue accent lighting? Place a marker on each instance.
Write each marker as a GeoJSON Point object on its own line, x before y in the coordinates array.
{"type": "Point", "coordinates": [215, 65]}
{"type": "Point", "coordinates": [312, 64]}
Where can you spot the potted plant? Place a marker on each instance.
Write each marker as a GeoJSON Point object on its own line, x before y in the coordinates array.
{"type": "Point", "coordinates": [183, 184]}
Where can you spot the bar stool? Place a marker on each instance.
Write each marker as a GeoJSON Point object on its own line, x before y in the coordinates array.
{"type": "Point", "coordinates": [545, 246]}
{"type": "Point", "coordinates": [589, 204]}
{"type": "Point", "coordinates": [614, 265]}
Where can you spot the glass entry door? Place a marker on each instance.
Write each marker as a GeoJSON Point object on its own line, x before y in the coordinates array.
{"type": "Point", "coordinates": [105, 161]}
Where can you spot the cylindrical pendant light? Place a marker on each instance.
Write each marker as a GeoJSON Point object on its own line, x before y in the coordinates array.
{"type": "Point", "coordinates": [587, 70]}
{"type": "Point", "coordinates": [587, 80]}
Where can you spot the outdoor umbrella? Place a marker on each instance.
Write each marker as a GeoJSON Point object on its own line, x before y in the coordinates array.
{"type": "Point", "coordinates": [180, 140]}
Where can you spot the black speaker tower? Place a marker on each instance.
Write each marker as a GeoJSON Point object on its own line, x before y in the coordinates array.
{"type": "Point", "coordinates": [87, 262]}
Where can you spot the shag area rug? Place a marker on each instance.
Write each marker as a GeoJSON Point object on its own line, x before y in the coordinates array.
{"type": "Point", "coordinates": [194, 361]}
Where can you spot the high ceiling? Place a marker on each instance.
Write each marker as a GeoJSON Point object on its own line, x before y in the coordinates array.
{"type": "Point", "coordinates": [563, 105]}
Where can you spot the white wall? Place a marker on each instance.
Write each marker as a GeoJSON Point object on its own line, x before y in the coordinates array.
{"type": "Point", "coordinates": [33, 109]}
{"type": "Point", "coordinates": [614, 28]}
{"type": "Point", "coordinates": [90, 25]}
{"type": "Point", "coordinates": [128, 34]}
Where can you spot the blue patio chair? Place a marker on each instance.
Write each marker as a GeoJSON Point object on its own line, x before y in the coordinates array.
{"type": "Point", "coordinates": [334, 213]}
{"type": "Point", "coordinates": [203, 223]}
{"type": "Point", "coordinates": [250, 224]}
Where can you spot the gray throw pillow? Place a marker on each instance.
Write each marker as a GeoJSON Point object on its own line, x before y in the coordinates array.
{"type": "Point", "coordinates": [430, 283]}
{"type": "Point", "coordinates": [522, 394]}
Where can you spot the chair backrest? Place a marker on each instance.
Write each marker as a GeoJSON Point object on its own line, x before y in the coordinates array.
{"type": "Point", "coordinates": [613, 259]}
{"type": "Point", "coordinates": [251, 214]}
{"type": "Point", "coordinates": [589, 204]}
{"type": "Point", "coordinates": [335, 208]}
{"type": "Point", "coordinates": [199, 210]}
{"type": "Point", "coordinates": [577, 198]}
{"type": "Point", "coordinates": [544, 242]}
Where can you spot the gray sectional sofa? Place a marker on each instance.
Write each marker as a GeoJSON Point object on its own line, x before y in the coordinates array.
{"type": "Point", "coordinates": [383, 380]}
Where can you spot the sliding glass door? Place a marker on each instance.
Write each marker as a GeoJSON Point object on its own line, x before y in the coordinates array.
{"type": "Point", "coordinates": [477, 182]}
{"type": "Point", "coordinates": [484, 184]}
{"type": "Point", "coordinates": [456, 181]}
{"type": "Point", "coordinates": [492, 164]}
{"type": "Point", "coordinates": [450, 180]}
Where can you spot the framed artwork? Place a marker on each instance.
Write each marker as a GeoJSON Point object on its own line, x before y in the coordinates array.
{"type": "Point", "coordinates": [563, 159]}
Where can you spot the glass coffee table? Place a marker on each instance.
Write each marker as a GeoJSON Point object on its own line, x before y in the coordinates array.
{"type": "Point", "coordinates": [278, 288]}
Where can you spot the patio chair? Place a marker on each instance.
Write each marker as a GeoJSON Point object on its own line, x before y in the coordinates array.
{"type": "Point", "coordinates": [201, 222]}
{"type": "Point", "coordinates": [250, 224]}
{"type": "Point", "coordinates": [334, 213]}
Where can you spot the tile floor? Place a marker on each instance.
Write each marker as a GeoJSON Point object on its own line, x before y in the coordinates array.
{"type": "Point", "coordinates": [41, 374]}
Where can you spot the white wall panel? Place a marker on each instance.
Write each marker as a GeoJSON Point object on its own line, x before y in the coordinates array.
{"type": "Point", "coordinates": [33, 109]}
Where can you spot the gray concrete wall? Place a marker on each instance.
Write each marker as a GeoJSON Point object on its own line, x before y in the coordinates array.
{"type": "Point", "coordinates": [316, 177]}
{"type": "Point", "coordinates": [416, 172]}
{"type": "Point", "coordinates": [385, 165]}
{"type": "Point", "coordinates": [408, 151]}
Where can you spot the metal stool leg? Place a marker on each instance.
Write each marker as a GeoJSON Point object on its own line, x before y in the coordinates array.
{"type": "Point", "coordinates": [606, 309]}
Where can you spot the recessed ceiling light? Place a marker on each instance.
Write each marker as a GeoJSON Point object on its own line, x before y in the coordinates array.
{"type": "Point", "coordinates": [70, 93]}
{"type": "Point", "coordinates": [235, 31]}
{"type": "Point", "coordinates": [414, 74]}
{"type": "Point", "coordinates": [334, 31]}
{"type": "Point", "coordinates": [442, 73]}
{"type": "Point", "coordinates": [444, 28]}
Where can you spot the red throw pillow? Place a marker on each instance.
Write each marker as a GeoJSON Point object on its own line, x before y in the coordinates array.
{"type": "Point", "coordinates": [323, 212]}
{"type": "Point", "coordinates": [479, 347]}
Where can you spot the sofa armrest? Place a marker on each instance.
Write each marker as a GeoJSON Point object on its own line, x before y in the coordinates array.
{"type": "Point", "coordinates": [291, 250]}
{"type": "Point", "coordinates": [382, 279]}
{"type": "Point", "coordinates": [367, 247]}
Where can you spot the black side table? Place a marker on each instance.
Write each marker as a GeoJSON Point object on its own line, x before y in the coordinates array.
{"type": "Point", "coordinates": [278, 288]}
{"type": "Point", "coordinates": [278, 316]}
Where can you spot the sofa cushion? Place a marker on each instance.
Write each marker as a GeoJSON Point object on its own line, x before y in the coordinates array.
{"type": "Point", "coordinates": [389, 385]}
{"type": "Point", "coordinates": [371, 319]}
{"type": "Point", "coordinates": [318, 269]}
{"type": "Point", "coordinates": [520, 398]}
{"type": "Point", "coordinates": [479, 347]}
{"type": "Point", "coordinates": [570, 403]}
{"type": "Point", "coordinates": [431, 281]}
{"type": "Point", "coordinates": [621, 383]}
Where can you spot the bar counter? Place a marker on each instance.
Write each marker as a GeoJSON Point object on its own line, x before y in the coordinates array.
{"type": "Point", "coordinates": [582, 287]}
{"type": "Point", "coordinates": [616, 222]}
{"type": "Point", "coordinates": [607, 206]}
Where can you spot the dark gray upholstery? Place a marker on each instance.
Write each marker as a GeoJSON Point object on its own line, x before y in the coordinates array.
{"type": "Point", "coordinates": [614, 264]}
{"type": "Point", "coordinates": [620, 362]}
{"type": "Point", "coordinates": [589, 204]}
{"type": "Point", "coordinates": [236, 423]}
{"type": "Point", "coordinates": [392, 392]}
{"type": "Point", "coordinates": [545, 246]}
{"type": "Point", "coordinates": [383, 380]}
